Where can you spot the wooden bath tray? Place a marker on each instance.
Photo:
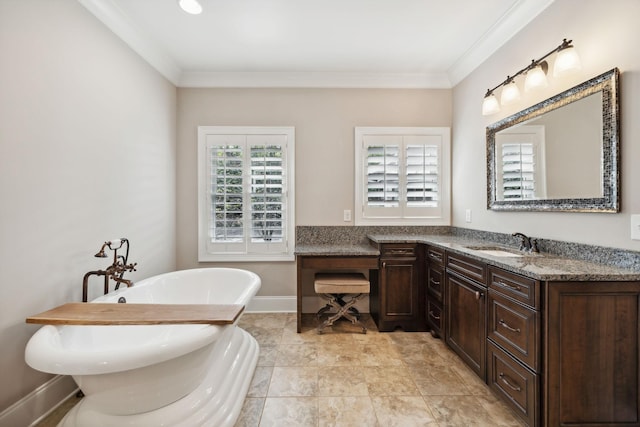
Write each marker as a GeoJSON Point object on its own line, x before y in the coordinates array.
{"type": "Point", "coordinates": [78, 313]}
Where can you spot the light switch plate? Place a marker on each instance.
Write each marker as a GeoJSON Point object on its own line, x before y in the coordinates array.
{"type": "Point", "coordinates": [635, 227]}
{"type": "Point", "coordinates": [347, 215]}
{"type": "Point", "coordinates": [467, 215]}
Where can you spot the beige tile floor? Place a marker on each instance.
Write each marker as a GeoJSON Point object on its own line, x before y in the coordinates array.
{"type": "Point", "coordinates": [345, 378]}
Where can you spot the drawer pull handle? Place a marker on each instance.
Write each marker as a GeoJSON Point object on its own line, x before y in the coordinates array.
{"type": "Point", "coordinates": [478, 295]}
{"type": "Point", "coordinates": [504, 324]}
{"type": "Point", "coordinates": [505, 379]}
{"type": "Point", "coordinates": [384, 264]}
{"type": "Point", "coordinates": [401, 251]}
{"type": "Point", "coordinates": [434, 282]}
{"type": "Point", "coordinates": [433, 315]}
{"type": "Point", "coordinates": [506, 285]}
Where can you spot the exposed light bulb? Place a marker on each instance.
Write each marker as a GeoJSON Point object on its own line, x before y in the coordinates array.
{"type": "Point", "coordinates": [536, 79]}
{"type": "Point", "coordinates": [510, 93]}
{"type": "Point", "coordinates": [567, 61]}
{"type": "Point", "coordinates": [490, 105]}
{"type": "Point", "coordinates": [190, 6]}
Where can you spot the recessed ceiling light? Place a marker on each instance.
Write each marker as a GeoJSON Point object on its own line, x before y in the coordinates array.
{"type": "Point", "coordinates": [190, 6]}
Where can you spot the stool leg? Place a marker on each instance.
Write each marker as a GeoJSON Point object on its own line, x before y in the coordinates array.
{"type": "Point", "coordinates": [342, 303]}
{"type": "Point", "coordinates": [354, 319]}
{"type": "Point", "coordinates": [332, 303]}
{"type": "Point", "coordinates": [343, 311]}
{"type": "Point", "coordinates": [322, 311]}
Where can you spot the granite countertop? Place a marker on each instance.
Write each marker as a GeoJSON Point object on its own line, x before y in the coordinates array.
{"type": "Point", "coordinates": [540, 266]}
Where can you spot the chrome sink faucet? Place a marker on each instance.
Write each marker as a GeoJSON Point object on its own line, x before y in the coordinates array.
{"type": "Point", "coordinates": [527, 244]}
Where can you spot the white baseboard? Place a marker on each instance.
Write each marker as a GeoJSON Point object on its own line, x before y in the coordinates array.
{"type": "Point", "coordinates": [284, 304]}
{"type": "Point", "coordinates": [35, 406]}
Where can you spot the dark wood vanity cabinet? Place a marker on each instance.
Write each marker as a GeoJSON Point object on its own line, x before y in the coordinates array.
{"type": "Point", "coordinates": [465, 309]}
{"type": "Point", "coordinates": [565, 353]}
{"type": "Point", "coordinates": [592, 354]}
{"type": "Point", "coordinates": [434, 284]}
{"type": "Point", "coordinates": [400, 296]}
{"type": "Point", "coordinates": [513, 342]}
{"type": "Point", "coordinates": [558, 353]}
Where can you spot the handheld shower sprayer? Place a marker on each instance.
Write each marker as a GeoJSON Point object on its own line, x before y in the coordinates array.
{"type": "Point", "coordinates": [114, 244]}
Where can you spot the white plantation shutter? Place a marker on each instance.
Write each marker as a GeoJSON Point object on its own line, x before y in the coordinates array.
{"type": "Point", "coordinates": [518, 166]}
{"type": "Point", "coordinates": [402, 175]}
{"type": "Point", "coordinates": [226, 217]}
{"type": "Point", "coordinates": [245, 209]}
{"type": "Point", "coordinates": [422, 172]}
{"type": "Point", "coordinates": [383, 171]}
{"type": "Point", "coordinates": [521, 164]}
{"type": "Point", "coordinates": [267, 204]}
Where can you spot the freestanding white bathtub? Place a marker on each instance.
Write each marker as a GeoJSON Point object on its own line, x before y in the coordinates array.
{"type": "Point", "coordinates": [157, 375]}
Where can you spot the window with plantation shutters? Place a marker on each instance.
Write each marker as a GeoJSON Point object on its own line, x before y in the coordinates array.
{"type": "Point", "coordinates": [521, 162]}
{"type": "Point", "coordinates": [402, 176]}
{"type": "Point", "coordinates": [246, 203]}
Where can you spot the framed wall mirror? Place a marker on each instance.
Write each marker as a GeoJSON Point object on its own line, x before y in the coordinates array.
{"type": "Point", "coordinates": [561, 154]}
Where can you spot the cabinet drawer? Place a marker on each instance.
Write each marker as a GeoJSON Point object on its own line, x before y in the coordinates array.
{"type": "Point", "coordinates": [514, 327]}
{"type": "Point", "coordinates": [467, 267]}
{"type": "Point", "coordinates": [435, 317]}
{"type": "Point", "coordinates": [514, 383]}
{"type": "Point", "coordinates": [435, 255]}
{"type": "Point", "coordinates": [398, 250]}
{"type": "Point", "coordinates": [520, 288]}
{"type": "Point", "coordinates": [435, 282]}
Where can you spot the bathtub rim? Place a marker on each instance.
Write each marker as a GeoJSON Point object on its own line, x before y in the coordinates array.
{"type": "Point", "coordinates": [45, 351]}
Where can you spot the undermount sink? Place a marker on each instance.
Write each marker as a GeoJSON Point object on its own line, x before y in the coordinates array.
{"type": "Point", "coordinates": [495, 251]}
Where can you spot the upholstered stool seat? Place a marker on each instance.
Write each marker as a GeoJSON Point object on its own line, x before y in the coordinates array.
{"type": "Point", "coordinates": [335, 286]}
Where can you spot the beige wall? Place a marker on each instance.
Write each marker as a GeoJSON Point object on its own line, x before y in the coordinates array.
{"type": "Point", "coordinates": [606, 35]}
{"type": "Point", "coordinates": [324, 121]}
{"type": "Point", "coordinates": [87, 153]}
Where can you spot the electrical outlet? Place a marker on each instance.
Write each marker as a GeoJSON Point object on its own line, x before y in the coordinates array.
{"type": "Point", "coordinates": [347, 215]}
{"type": "Point", "coordinates": [467, 215]}
{"type": "Point", "coordinates": [635, 227]}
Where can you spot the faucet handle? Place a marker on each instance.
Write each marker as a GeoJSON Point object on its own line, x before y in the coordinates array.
{"type": "Point", "coordinates": [534, 246]}
{"type": "Point", "coordinates": [131, 267]}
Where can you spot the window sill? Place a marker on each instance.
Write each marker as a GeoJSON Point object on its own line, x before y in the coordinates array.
{"type": "Point", "coordinates": [226, 257]}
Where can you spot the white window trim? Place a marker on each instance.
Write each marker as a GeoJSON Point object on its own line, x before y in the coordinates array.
{"type": "Point", "coordinates": [443, 217]}
{"type": "Point", "coordinates": [204, 205]}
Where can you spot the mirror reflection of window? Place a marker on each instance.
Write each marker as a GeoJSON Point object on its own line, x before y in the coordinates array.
{"type": "Point", "coordinates": [521, 163]}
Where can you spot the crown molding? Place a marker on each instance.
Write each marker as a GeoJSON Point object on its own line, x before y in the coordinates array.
{"type": "Point", "coordinates": [246, 79]}
{"type": "Point", "coordinates": [111, 16]}
{"type": "Point", "coordinates": [519, 15]}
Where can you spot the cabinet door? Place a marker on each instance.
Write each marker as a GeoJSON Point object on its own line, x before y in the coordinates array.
{"type": "Point", "coordinates": [593, 354]}
{"type": "Point", "coordinates": [465, 332]}
{"type": "Point", "coordinates": [400, 295]}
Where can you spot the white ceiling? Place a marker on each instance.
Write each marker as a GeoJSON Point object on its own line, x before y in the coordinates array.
{"type": "Point", "coordinates": [317, 43]}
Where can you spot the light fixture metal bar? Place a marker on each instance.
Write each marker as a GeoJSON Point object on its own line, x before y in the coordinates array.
{"type": "Point", "coordinates": [534, 62]}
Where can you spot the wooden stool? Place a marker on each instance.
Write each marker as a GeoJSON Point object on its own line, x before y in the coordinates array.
{"type": "Point", "coordinates": [335, 286]}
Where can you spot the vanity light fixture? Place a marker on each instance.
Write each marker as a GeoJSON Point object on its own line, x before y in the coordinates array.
{"type": "Point", "coordinates": [567, 60]}
{"type": "Point", "coordinates": [536, 77]}
{"type": "Point", "coordinates": [192, 7]}
{"type": "Point", "coordinates": [510, 93]}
